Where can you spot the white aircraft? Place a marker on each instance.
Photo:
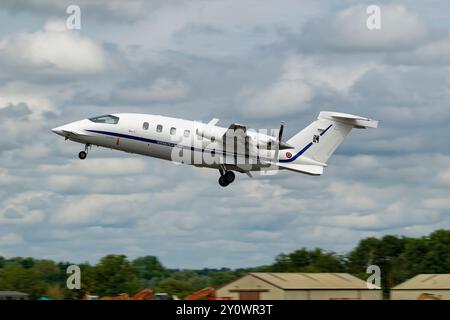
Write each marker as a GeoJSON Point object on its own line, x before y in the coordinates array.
{"type": "Point", "coordinates": [235, 148]}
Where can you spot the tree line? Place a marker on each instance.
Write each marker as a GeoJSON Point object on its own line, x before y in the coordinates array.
{"type": "Point", "coordinates": [399, 259]}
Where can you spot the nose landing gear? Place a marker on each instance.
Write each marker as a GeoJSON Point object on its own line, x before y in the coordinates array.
{"type": "Point", "coordinates": [83, 154]}
{"type": "Point", "coordinates": [226, 177]}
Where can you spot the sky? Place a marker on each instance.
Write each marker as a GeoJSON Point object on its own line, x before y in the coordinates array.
{"type": "Point", "coordinates": [247, 61]}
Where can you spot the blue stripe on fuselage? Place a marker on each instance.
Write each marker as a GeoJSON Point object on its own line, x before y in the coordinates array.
{"type": "Point", "coordinates": [170, 144]}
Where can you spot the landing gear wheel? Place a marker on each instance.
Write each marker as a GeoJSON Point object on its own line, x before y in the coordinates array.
{"type": "Point", "coordinates": [82, 155]}
{"type": "Point", "coordinates": [223, 182]}
{"type": "Point", "coordinates": [229, 176]}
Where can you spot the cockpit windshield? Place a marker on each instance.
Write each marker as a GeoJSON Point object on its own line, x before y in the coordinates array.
{"type": "Point", "coordinates": [105, 119]}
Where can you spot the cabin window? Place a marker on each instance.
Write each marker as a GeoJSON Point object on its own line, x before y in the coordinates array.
{"type": "Point", "coordinates": [187, 133]}
{"type": "Point", "coordinates": [173, 130]}
{"type": "Point", "coordinates": [109, 119]}
{"type": "Point", "coordinates": [213, 139]}
{"type": "Point", "coordinates": [145, 126]}
{"type": "Point", "coordinates": [159, 128]}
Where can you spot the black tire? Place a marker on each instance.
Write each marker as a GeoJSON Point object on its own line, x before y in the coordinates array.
{"type": "Point", "coordinates": [223, 182]}
{"type": "Point", "coordinates": [229, 176]}
{"type": "Point", "coordinates": [82, 155]}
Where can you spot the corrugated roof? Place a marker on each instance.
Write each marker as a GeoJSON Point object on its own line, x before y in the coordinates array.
{"type": "Point", "coordinates": [311, 280]}
{"type": "Point", "coordinates": [426, 281]}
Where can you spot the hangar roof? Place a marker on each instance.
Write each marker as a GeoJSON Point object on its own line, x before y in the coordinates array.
{"type": "Point", "coordinates": [305, 281]}
{"type": "Point", "coordinates": [426, 281]}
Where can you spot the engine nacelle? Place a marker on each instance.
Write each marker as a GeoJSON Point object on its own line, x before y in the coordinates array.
{"type": "Point", "coordinates": [262, 141]}
{"type": "Point", "coordinates": [211, 133]}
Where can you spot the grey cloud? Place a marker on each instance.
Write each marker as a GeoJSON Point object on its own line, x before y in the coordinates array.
{"type": "Point", "coordinates": [346, 30]}
{"type": "Point", "coordinates": [19, 111]}
{"type": "Point", "coordinates": [100, 10]}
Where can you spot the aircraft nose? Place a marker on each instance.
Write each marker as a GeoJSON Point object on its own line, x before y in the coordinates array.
{"type": "Point", "coordinates": [58, 131]}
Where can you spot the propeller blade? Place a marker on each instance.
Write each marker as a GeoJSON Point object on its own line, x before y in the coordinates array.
{"type": "Point", "coordinates": [280, 136]}
{"type": "Point", "coordinates": [280, 133]}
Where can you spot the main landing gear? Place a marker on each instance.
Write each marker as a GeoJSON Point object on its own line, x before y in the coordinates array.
{"type": "Point", "coordinates": [83, 154]}
{"type": "Point", "coordinates": [226, 177]}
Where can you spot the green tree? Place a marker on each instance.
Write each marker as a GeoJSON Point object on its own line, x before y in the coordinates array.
{"type": "Point", "coordinates": [113, 275]}
{"type": "Point", "coordinates": [172, 286]}
{"type": "Point", "coordinates": [304, 260]}
{"type": "Point", "coordinates": [24, 262]}
{"type": "Point", "coordinates": [437, 259]}
{"type": "Point", "coordinates": [218, 279]}
{"type": "Point", "coordinates": [429, 254]}
{"type": "Point", "coordinates": [48, 270]}
{"type": "Point", "coordinates": [16, 278]}
{"type": "Point", "coordinates": [385, 253]}
{"type": "Point", "coordinates": [150, 269]}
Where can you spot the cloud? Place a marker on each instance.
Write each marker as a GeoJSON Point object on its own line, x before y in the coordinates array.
{"type": "Point", "coordinates": [99, 167]}
{"type": "Point", "coordinates": [435, 52]}
{"type": "Point", "coordinates": [22, 209]}
{"type": "Point", "coordinates": [301, 80]}
{"type": "Point", "coordinates": [20, 98]}
{"type": "Point", "coordinates": [107, 9]}
{"type": "Point", "coordinates": [281, 98]}
{"type": "Point", "coordinates": [347, 30]}
{"type": "Point", "coordinates": [11, 239]}
{"type": "Point", "coordinates": [53, 51]}
{"type": "Point", "coordinates": [160, 90]}
{"type": "Point", "coordinates": [100, 209]}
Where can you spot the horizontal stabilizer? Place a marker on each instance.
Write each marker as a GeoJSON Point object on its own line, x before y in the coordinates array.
{"type": "Point", "coordinates": [350, 119]}
{"type": "Point", "coordinates": [303, 168]}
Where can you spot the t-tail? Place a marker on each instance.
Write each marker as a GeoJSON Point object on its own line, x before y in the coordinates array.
{"type": "Point", "coordinates": [315, 144]}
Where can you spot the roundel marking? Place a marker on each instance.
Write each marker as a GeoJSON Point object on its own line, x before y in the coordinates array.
{"type": "Point", "coordinates": [288, 155]}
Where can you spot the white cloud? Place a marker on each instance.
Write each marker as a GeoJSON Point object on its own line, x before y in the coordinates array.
{"type": "Point", "coordinates": [100, 209]}
{"type": "Point", "coordinates": [55, 50]}
{"type": "Point", "coordinates": [99, 167]}
{"type": "Point", "coordinates": [301, 79]}
{"type": "Point", "coordinates": [10, 239]}
{"type": "Point", "coordinates": [21, 210]}
{"type": "Point", "coordinates": [283, 97]}
{"type": "Point", "coordinates": [15, 93]}
{"type": "Point", "coordinates": [354, 196]}
{"type": "Point", "coordinates": [161, 90]}
{"type": "Point", "coordinates": [395, 215]}
{"type": "Point", "coordinates": [445, 175]}
{"type": "Point", "coordinates": [400, 29]}
{"type": "Point", "coordinates": [115, 9]}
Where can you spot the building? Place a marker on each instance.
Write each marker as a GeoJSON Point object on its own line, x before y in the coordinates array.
{"type": "Point", "coordinates": [299, 286]}
{"type": "Point", "coordinates": [423, 287]}
{"type": "Point", "coordinates": [13, 295]}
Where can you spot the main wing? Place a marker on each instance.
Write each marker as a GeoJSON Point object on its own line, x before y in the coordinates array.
{"type": "Point", "coordinates": [242, 146]}
{"type": "Point", "coordinates": [237, 131]}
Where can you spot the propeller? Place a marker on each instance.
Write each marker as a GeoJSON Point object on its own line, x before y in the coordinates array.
{"type": "Point", "coordinates": [280, 133]}
{"type": "Point", "coordinates": [280, 144]}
